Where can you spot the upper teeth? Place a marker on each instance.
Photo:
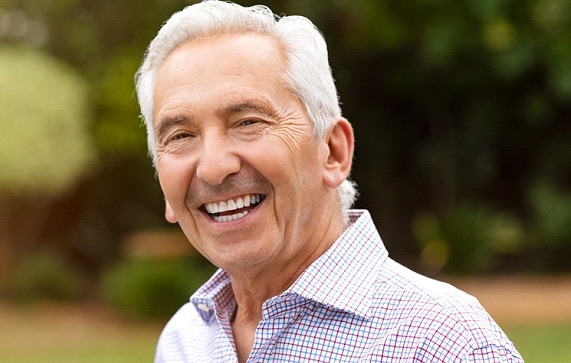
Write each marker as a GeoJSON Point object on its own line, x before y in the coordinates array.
{"type": "Point", "coordinates": [232, 204]}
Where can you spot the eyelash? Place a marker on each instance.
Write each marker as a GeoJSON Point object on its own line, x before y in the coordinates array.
{"type": "Point", "coordinates": [248, 122]}
{"type": "Point", "coordinates": [179, 136]}
{"type": "Point", "coordinates": [184, 135]}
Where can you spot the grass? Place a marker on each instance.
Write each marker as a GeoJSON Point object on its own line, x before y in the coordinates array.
{"type": "Point", "coordinates": [536, 343]}
{"type": "Point", "coordinates": [104, 350]}
{"type": "Point", "coordinates": [73, 333]}
{"type": "Point", "coordinates": [85, 334]}
{"type": "Point", "coordinates": [539, 343]}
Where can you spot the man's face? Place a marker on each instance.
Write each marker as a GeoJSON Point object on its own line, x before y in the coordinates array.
{"type": "Point", "coordinates": [237, 159]}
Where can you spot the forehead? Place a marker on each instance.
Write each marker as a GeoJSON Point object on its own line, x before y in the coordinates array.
{"type": "Point", "coordinates": [228, 53]}
{"type": "Point", "coordinates": [218, 66]}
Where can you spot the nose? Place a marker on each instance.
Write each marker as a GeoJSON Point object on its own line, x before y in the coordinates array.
{"type": "Point", "coordinates": [216, 160]}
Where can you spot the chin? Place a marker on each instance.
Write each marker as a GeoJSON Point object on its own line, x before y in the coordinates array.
{"type": "Point", "coordinates": [240, 261]}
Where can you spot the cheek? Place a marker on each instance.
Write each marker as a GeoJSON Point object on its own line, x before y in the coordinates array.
{"type": "Point", "coordinates": [174, 178]}
{"type": "Point", "coordinates": [294, 173]}
{"type": "Point", "coordinates": [309, 161]}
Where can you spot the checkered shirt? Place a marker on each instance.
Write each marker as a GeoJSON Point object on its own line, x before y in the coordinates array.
{"type": "Point", "coordinates": [353, 304]}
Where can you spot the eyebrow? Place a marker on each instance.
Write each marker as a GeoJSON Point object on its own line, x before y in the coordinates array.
{"type": "Point", "coordinates": [249, 105]}
{"type": "Point", "coordinates": [167, 123]}
{"type": "Point", "coordinates": [256, 106]}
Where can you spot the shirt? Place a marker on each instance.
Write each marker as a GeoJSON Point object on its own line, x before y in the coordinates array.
{"type": "Point", "coordinates": [352, 304]}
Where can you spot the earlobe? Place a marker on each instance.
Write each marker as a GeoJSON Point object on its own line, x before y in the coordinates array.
{"type": "Point", "coordinates": [340, 144]}
{"type": "Point", "coordinates": [169, 214]}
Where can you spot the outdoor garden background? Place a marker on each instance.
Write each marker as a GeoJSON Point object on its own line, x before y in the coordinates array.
{"type": "Point", "coordinates": [462, 117]}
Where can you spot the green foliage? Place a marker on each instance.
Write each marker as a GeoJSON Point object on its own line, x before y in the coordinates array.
{"type": "Point", "coordinates": [45, 276]}
{"type": "Point", "coordinates": [117, 129]}
{"type": "Point", "coordinates": [552, 213]}
{"type": "Point", "coordinates": [450, 100]}
{"type": "Point", "coordinates": [153, 288]}
{"type": "Point", "coordinates": [551, 227]}
{"type": "Point", "coordinates": [44, 142]}
{"type": "Point", "coordinates": [467, 239]}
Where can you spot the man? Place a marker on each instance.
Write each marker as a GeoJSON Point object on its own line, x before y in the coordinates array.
{"type": "Point", "coordinates": [253, 157]}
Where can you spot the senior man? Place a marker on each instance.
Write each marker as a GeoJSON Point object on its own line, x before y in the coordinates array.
{"type": "Point", "coordinates": [253, 157]}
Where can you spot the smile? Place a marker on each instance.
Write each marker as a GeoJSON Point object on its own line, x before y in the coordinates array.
{"type": "Point", "coordinates": [233, 209]}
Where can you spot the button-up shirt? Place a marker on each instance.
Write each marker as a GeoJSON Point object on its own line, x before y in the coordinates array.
{"type": "Point", "coordinates": [353, 304]}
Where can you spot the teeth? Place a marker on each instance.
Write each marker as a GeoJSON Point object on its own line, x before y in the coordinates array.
{"type": "Point", "coordinates": [231, 217]}
{"type": "Point", "coordinates": [222, 207]}
{"type": "Point", "coordinates": [212, 207]}
{"type": "Point", "coordinates": [231, 204]}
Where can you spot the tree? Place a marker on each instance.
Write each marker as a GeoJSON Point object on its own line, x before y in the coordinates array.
{"type": "Point", "coordinates": [44, 140]}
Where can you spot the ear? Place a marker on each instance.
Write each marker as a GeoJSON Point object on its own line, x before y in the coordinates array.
{"type": "Point", "coordinates": [340, 143]}
{"type": "Point", "coordinates": [169, 214]}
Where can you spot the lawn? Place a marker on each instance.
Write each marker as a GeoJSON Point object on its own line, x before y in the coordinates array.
{"type": "Point", "coordinates": [539, 343]}
{"type": "Point", "coordinates": [73, 333]}
{"type": "Point", "coordinates": [54, 333]}
{"type": "Point", "coordinates": [536, 343]}
{"type": "Point", "coordinates": [130, 349]}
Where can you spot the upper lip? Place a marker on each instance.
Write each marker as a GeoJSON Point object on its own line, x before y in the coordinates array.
{"type": "Point", "coordinates": [231, 204]}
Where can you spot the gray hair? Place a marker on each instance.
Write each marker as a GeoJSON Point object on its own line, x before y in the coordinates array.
{"type": "Point", "coordinates": [307, 72]}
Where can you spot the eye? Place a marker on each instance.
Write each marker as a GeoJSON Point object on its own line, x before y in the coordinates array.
{"type": "Point", "coordinates": [179, 136]}
{"type": "Point", "coordinates": [248, 122]}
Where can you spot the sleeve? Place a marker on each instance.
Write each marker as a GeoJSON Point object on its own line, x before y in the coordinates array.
{"type": "Point", "coordinates": [493, 354]}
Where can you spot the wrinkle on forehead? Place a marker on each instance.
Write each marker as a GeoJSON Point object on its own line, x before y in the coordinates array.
{"type": "Point", "coordinates": [248, 48]}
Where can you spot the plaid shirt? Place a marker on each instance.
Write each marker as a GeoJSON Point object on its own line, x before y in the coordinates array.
{"type": "Point", "coordinates": [353, 304]}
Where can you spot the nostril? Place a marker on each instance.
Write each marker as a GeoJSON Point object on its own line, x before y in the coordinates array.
{"type": "Point", "coordinates": [214, 169]}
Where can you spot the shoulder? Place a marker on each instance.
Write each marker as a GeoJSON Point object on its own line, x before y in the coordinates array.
{"type": "Point", "coordinates": [437, 320]}
{"type": "Point", "coordinates": [193, 333]}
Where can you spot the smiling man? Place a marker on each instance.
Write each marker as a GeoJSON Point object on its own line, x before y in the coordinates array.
{"type": "Point", "coordinates": [253, 157]}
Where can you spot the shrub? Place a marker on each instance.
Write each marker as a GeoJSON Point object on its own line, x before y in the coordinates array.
{"type": "Point", "coordinates": [467, 239]}
{"type": "Point", "coordinates": [550, 244]}
{"type": "Point", "coordinates": [153, 288]}
{"type": "Point", "coordinates": [45, 276]}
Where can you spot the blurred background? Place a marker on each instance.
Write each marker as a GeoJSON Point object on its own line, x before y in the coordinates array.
{"type": "Point", "coordinates": [461, 112]}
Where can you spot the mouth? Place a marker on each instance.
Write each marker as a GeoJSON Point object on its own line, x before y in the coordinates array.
{"type": "Point", "coordinates": [233, 209]}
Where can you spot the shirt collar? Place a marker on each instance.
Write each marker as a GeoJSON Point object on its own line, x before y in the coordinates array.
{"type": "Point", "coordinates": [343, 277]}
{"type": "Point", "coordinates": [215, 295]}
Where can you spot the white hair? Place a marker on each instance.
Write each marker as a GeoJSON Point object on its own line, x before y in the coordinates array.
{"type": "Point", "coordinates": [307, 71]}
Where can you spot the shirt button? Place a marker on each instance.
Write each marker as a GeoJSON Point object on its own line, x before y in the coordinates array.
{"type": "Point", "coordinates": [204, 307]}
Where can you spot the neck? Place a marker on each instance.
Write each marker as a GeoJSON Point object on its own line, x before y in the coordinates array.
{"type": "Point", "coordinates": [251, 291]}
{"type": "Point", "coordinates": [254, 285]}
